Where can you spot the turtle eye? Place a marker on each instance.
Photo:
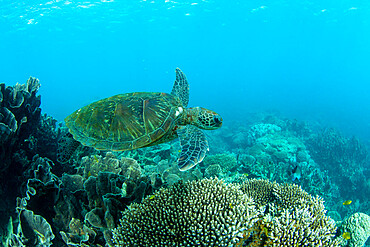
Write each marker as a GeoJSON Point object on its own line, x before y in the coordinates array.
{"type": "Point", "coordinates": [217, 119]}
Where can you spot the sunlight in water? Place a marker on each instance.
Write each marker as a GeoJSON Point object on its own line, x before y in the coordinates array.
{"type": "Point", "coordinates": [22, 15]}
{"type": "Point", "coordinates": [30, 12]}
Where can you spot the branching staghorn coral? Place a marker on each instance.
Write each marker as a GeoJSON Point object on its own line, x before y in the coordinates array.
{"type": "Point", "coordinates": [210, 212]}
{"type": "Point", "coordinates": [300, 226]}
{"type": "Point", "coordinates": [292, 217]}
{"type": "Point", "coordinates": [206, 211]}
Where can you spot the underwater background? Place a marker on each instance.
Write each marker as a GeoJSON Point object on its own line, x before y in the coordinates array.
{"type": "Point", "coordinates": [290, 79]}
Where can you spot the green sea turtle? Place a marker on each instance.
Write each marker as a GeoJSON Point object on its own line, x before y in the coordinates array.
{"type": "Point", "coordinates": [135, 120]}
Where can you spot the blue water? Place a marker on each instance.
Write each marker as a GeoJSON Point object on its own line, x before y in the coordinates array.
{"type": "Point", "coordinates": [306, 59]}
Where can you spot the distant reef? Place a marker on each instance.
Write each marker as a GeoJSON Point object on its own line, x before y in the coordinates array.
{"type": "Point", "coordinates": [268, 181]}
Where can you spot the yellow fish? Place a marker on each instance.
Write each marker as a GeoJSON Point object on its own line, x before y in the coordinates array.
{"type": "Point", "coordinates": [347, 202]}
{"type": "Point", "coordinates": [265, 231]}
{"type": "Point", "coordinates": [346, 235]}
{"type": "Point", "coordinates": [231, 205]}
{"type": "Point", "coordinates": [151, 197]}
{"type": "Point", "coordinates": [40, 235]}
{"type": "Point", "coordinates": [96, 158]}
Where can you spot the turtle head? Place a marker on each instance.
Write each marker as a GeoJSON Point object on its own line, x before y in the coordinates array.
{"type": "Point", "coordinates": [204, 118]}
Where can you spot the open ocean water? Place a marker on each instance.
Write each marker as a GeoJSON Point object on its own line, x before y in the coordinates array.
{"type": "Point", "coordinates": [303, 60]}
{"type": "Point", "coordinates": [306, 59]}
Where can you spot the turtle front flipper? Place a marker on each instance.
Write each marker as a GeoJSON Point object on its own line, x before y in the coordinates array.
{"type": "Point", "coordinates": [194, 146]}
{"type": "Point", "coordinates": [181, 87]}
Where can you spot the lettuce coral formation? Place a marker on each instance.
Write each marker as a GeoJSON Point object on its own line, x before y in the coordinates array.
{"type": "Point", "coordinates": [19, 108]}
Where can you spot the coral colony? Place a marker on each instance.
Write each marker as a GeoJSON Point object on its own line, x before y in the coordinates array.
{"type": "Point", "coordinates": [269, 182]}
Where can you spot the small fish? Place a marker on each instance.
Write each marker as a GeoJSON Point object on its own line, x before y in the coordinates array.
{"type": "Point", "coordinates": [296, 173]}
{"type": "Point", "coordinates": [40, 235]}
{"type": "Point", "coordinates": [267, 209]}
{"type": "Point", "coordinates": [231, 205]}
{"type": "Point", "coordinates": [96, 158]}
{"type": "Point", "coordinates": [89, 174]}
{"type": "Point", "coordinates": [246, 174]}
{"type": "Point", "coordinates": [151, 197]}
{"type": "Point", "coordinates": [265, 231]}
{"type": "Point", "coordinates": [348, 202]}
{"type": "Point", "coordinates": [346, 235]}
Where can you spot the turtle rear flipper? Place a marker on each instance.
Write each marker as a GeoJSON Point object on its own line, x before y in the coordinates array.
{"type": "Point", "coordinates": [181, 87]}
{"type": "Point", "coordinates": [194, 146]}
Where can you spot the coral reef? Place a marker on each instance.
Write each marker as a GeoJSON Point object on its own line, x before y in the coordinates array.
{"type": "Point", "coordinates": [323, 161]}
{"type": "Point", "coordinates": [263, 129]}
{"type": "Point", "coordinates": [344, 158]}
{"type": "Point", "coordinates": [153, 155]}
{"type": "Point", "coordinates": [79, 234]}
{"type": "Point", "coordinates": [160, 164]}
{"type": "Point", "coordinates": [81, 210]}
{"type": "Point", "coordinates": [188, 214]}
{"type": "Point", "coordinates": [212, 212]}
{"type": "Point", "coordinates": [275, 154]}
{"type": "Point", "coordinates": [227, 162]}
{"type": "Point", "coordinates": [262, 191]}
{"type": "Point", "coordinates": [94, 198]}
{"type": "Point", "coordinates": [213, 170]}
{"type": "Point", "coordinates": [66, 194]}
{"type": "Point", "coordinates": [19, 117]}
{"type": "Point", "coordinates": [291, 217]}
{"type": "Point", "coordinates": [35, 224]}
{"type": "Point", "coordinates": [66, 147]}
{"type": "Point", "coordinates": [24, 133]}
{"type": "Point", "coordinates": [32, 230]}
{"type": "Point", "coordinates": [358, 227]}
{"type": "Point", "coordinates": [167, 172]}
{"type": "Point", "coordinates": [106, 195]}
